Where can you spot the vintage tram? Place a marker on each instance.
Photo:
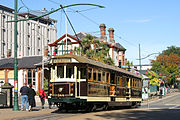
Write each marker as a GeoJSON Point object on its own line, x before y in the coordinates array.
{"type": "Point", "coordinates": [77, 82]}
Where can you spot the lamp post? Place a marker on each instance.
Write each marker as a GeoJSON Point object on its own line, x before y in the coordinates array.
{"type": "Point", "coordinates": [16, 105]}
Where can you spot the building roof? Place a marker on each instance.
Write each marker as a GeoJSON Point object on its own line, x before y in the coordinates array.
{"type": "Point", "coordinates": [118, 45]}
{"type": "Point", "coordinates": [81, 35]}
{"type": "Point", "coordinates": [83, 59]}
{"type": "Point", "coordinates": [24, 62]}
{"type": "Point", "coordinates": [44, 19]}
{"type": "Point", "coordinates": [32, 13]}
{"type": "Point", "coordinates": [6, 8]}
{"type": "Point", "coordinates": [68, 35]}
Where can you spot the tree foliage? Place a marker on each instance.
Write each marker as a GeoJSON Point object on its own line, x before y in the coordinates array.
{"type": "Point", "coordinates": [172, 50]}
{"type": "Point", "coordinates": [154, 78]}
{"type": "Point", "coordinates": [168, 64]}
{"type": "Point", "coordinates": [94, 49]}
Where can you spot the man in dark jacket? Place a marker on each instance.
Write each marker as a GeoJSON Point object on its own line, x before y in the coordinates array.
{"type": "Point", "coordinates": [31, 97]}
{"type": "Point", "coordinates": [24, 97]}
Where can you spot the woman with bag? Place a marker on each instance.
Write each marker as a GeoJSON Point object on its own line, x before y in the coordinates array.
{"type": "Point", "coordinates": [42, 96]}
{"type": "Point", "coordinates": [31, 97]}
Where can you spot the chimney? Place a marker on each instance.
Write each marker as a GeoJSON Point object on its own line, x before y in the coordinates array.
{"type": "Point", "coordinates": [111, 35]}
{"type": "Point", "coordinates": [9, 53]}
{"type": "Point", "coordinates": [45, 51]}
{"type": "Point", "coordinates": [103, 32]}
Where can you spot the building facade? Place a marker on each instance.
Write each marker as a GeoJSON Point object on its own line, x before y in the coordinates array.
{"type": "Point", "coordinates": [28, 71]}
{"type": "Point", "coordinates": [32, 36]}
{"type": "Point", "coordinates": [116, 50]}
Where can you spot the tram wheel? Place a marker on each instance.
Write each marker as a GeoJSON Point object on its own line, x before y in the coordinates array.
{"type": "Point", "coordinates": [105, 107]}
{"type": "Point", "coordinates": [94, 107]}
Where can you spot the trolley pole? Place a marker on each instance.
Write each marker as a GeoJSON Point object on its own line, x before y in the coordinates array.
{"type": "Point", "coordinates": [16, 105]}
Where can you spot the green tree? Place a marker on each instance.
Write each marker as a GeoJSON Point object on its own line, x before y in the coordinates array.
{"type": "Point", "coordinates": [172, 50]}
{"type": "Point", "coordinates": [167, 66]}
{"type": "Point", "coordinates": [94, 49]}
{"type": "Point", "coordinates": [154, 78]}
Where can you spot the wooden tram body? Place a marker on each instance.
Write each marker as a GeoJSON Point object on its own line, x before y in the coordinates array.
{"type": "Point", "coordinates": [80, 83]}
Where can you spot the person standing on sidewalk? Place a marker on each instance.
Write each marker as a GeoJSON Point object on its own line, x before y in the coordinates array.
{"type": "Point", "coordinates": [24, 97]}
{"type": "Point", "coordinates": [31, 97]}
{"type": "Point", "coordinates": [42, 96]}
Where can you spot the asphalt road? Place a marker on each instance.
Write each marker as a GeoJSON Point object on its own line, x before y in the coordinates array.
{"type": "Point", "coordinates": [166, 108]}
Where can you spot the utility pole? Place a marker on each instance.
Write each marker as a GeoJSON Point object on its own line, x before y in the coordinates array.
{"type": "Point", "coordinates": [140, 58]}
{"type": "Point", "coordinates": [16, 105]}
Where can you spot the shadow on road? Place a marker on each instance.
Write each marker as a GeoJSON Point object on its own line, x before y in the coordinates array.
{"type": "Point", "coordinates": [155, 114]}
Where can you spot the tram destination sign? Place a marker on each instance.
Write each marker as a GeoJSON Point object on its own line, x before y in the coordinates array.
{"type": "Point", "coordinates": [62, 60]}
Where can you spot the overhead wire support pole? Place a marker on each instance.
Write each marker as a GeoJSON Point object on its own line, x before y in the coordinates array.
{"type": "Point", "coordinates": [140, 58]}
{"type": "Point", "coordinates": [16, 105]}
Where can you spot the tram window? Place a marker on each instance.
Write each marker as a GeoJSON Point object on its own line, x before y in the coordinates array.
{"type": "Point", "coordinates": [83, 73]}
{"type": "Point", "coordinates": [112, 78]}
{"type": "Point", "coordinates": [120, 81]}
{"type": "Point", "coordinates": [69, 71]}
{"type": "Point", "coordinates": [89, 73]}
{"type": "Point", "coordinates": [103, 77]}
{"type": "Point", "coordinates": [94, 75]}
{"type": "Point", "coordinates": [60, 71]}
{"type": "Point", "coordinates": [99, 75]}
{"type": "Point", "coordinates": [107, 77]}
{"type": "Point", "coordinates": [117, 80]}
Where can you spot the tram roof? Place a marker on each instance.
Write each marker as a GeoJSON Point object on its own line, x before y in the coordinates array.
{"type": "Point", "coordinates": [82, 59]}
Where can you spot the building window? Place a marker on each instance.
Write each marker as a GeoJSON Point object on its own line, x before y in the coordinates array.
{"type": "Point", "coordinates": [29, 77]}
{"type": "Point", "coordinates": [34, 80]}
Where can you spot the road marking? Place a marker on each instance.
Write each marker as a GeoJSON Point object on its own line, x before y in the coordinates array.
{"type": "Point", "coordinates": [173, 104]}
{"type": "Point", "coordinates": [175, 107]}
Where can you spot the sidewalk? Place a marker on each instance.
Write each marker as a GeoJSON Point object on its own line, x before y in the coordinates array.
{"type": "Point", "coordinates": [8, 113]}
{"type": "Point", "coordinates": [153, 98]}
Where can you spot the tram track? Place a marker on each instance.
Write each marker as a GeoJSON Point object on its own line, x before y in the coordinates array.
{"type": "Point", "coordinates": [49, 116]}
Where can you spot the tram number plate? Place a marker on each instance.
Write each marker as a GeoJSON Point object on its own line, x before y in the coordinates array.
{"type": "Point", "coordinates": [61, 95]}
{"type": "Point", "coordinates": [61, 60]}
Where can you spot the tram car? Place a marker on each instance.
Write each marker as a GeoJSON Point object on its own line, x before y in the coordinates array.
{"type": "Point", "coordinates": [77, 82]}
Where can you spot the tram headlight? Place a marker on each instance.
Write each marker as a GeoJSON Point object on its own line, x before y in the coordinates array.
{"type": "Point", "coordinates": [60, 89]}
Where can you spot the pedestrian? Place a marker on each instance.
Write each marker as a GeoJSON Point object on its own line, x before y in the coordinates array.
{"type": "Point", "coordinates": [24, 97]}
{"type": "Point", "coordinates": [42, 96]}
{"type": "Point", "coordinates": [31, 97]}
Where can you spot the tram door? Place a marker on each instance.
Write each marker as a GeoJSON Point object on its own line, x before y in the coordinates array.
{"type": "Point", "coordinates": [112, 87]}
{"type": "Point", "coordinates": [81, 76]}
{"type": "Point", "coordinates": [128, 90]}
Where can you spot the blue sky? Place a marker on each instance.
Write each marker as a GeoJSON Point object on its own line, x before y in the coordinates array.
{"type": "Point", "coordinates": [154, 24]}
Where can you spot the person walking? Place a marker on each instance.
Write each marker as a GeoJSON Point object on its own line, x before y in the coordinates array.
{"type": "Point", "coordinates": [42, 97]}
{"type": "Point", "coordinates": [24, 97]}
{"type": "Point", "coordinates": [31, 97]}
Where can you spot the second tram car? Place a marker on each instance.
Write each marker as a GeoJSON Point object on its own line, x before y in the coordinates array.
{"type": "Point", "coordinates": [80, 83]}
